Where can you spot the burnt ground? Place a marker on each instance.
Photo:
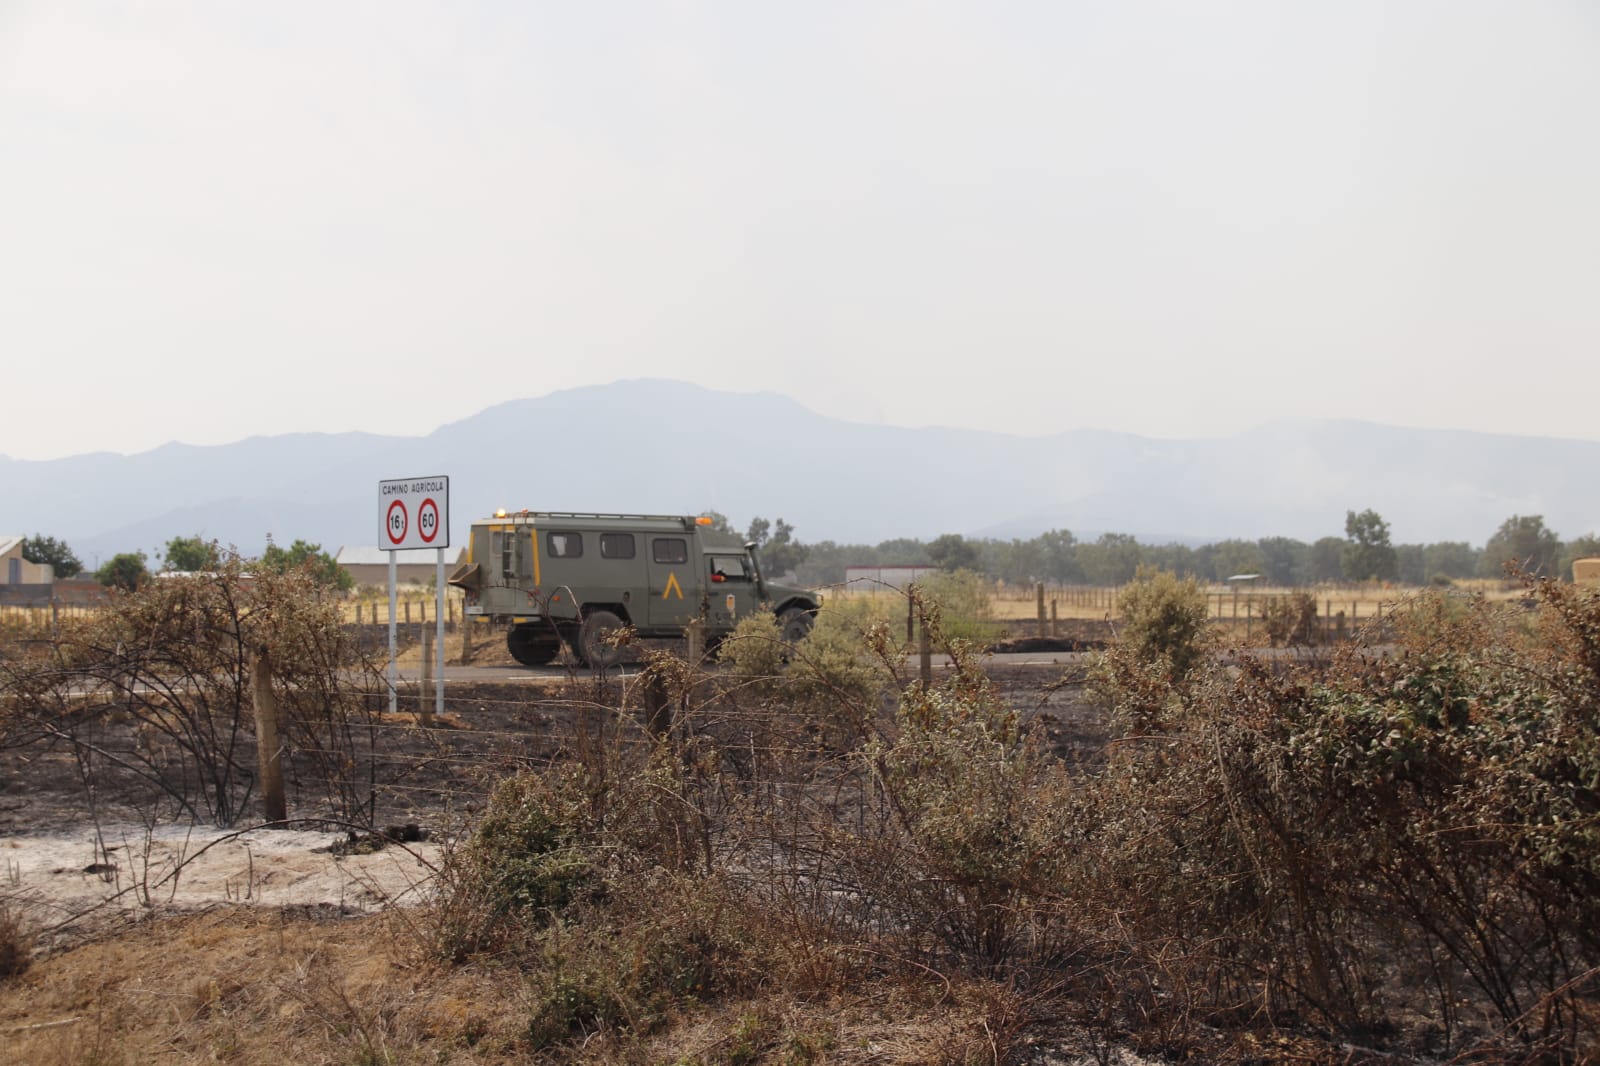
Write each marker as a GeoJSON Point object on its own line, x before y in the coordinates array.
{"type": "Point", "coordinates": [431, 776]}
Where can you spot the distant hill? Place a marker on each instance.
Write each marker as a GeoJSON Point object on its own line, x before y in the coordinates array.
{"type": "Point", "coordinates": [663, 446]}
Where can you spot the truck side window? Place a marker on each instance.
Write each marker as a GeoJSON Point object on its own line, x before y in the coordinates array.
{"type": "Point", "coordinates": [564, 545]}
{"type": "Point", "coordinates": [669, 550]}
{"type": "Point", "coordinates": [616, 545]}
{"type": "Point", "coordinates": [728, 568]}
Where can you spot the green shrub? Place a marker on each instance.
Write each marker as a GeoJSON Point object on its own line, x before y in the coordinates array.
{"type": "Point", "coordinates": [840, 665]}
{"type": "Point", "coordinates": [754, 652]}
{"type": "Point", "coordinates": [1164, 618]}
{"type": "Point", "coordinates": [980, 810]}
{"type": "Point", "coordinates": [962, 603]}
{"type": "Point", "coordinates": [527, 860]}
{"type": "Point", "coordinates": [1331, 844]}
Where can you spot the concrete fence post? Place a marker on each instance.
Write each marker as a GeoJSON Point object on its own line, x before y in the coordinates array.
{"type": "Point", "coordinates": [695, 633]}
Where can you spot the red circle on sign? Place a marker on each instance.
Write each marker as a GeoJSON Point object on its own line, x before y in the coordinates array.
{"type": "Point", "coordinates": [395, 522]}
{"type": "Point", "coordinates": [428, 520]}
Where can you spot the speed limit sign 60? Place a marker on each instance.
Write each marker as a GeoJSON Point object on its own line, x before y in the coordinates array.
{"type": "Point", "coordinates": [428, 520]}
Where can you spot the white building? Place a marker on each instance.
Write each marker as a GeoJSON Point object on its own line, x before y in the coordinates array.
{"type": "Point", "coordinates": [870, 578]}
{"type": "Point", "coordinates": [370, 566]}
{"type": "Point", "coordinates": [15, 570]}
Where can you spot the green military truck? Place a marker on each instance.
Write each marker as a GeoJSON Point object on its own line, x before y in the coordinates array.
{"type": "Point", "coordinates": [556, 578]}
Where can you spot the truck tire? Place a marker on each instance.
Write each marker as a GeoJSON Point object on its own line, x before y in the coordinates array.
{"type": "Point", "coordinates": [593, 647]}
{"type": "Point", "coordinates": [532, 644]}
{"type": "Point", "coordinates": [794, 623]}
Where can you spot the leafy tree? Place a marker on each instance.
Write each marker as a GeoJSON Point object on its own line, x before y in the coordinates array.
{"type": "Point", "coordinates": [952, 551]}
{"type": "Point", "coordinates": [1524, 540]}
{"type": "Point", "coordinates": [322, 567]}
{"type": "Point", "coordinates": [1179, 558]}
{"type": "Point", "coordinates": [1111, 560]}
{"type": "Point", "coordinates": [1451, 559]}
{"type": "Point", "coordinates": [826, 560]}
{"type": "Point", "coordinates": [1059, 556]}
{"type": "Point", "coordinates": [1412, 560]}
{"type": "Point", "coordinates": [1237, 557]}
{"type": "Point", "coordinates": [1368, 556]}
{"type": "Point", "coordinates": [1323, 561]}
{"type": "Point", "coordinates": [192, 555]}
{"type": "Point", "coordinates": [42, 549]}
{"type": "Point", "coordinates": [1284, 560]}
{"type": "Point", "coordinates": [780, 552]}
{"type": "Point", "coordinates": [126, 571]}
{"type": "Point", "coordinates": [1020, 562]}
{"type": "Point", "coordinates": [902, 551]}
{"type": "Point", "coordinates": [1584, 547]}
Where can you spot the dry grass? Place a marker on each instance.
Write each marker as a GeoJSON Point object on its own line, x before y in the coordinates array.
{"type": "Point", "coordinates": [16, 943]}
{"type": "Point", "coordinates": [259, 988]}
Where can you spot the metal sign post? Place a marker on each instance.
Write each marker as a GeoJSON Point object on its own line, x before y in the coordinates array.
{"type": "Point", "coordinates": [414, 512]}
{"type": "Point", "coordinates": [394, 664]}
{"type": "Point", "coordinates": [438, 633]}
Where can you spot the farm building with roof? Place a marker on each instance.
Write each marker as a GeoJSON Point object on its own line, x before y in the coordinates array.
{"type": "Point", "coordinates": [370, 566]}
{"type": "Point", "coordinates": [15, 570]}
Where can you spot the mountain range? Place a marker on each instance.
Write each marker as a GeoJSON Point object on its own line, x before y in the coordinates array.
{"type": "Point", "coordinates": [670, 447]}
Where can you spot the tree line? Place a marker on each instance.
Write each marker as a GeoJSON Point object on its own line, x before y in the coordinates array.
{"type": "Point", "coordinates": [1366, 552]}
{"type": "Point", "coordinates": [129, 570]}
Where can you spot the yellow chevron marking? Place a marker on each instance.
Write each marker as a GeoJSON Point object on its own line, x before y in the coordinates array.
{"type": "Point", "coordinates": [672, 586]}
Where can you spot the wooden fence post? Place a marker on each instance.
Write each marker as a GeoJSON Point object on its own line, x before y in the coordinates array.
{"type": "Point", "coordinates": [657, 705]}
{"type": "Point", "coordinates": [425, 690]}
{"type": "Point", "coordinates": [1055, 626]}
{"type": "Point", "coordinates": [925, 656]}
{"type": "Point", "coordinates": [269, 754]}
{"type": "Point", "coordinates": [1039, 594]}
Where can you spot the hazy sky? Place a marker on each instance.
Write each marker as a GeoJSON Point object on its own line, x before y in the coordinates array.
{"type": "Point", "coordinates": [219, 220]}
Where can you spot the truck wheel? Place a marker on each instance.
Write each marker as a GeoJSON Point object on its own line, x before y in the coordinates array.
{"type": "Point", "coordinates": [795, 623]}
{"type": "Point", "coordinates": [594, 647]}
{"type": "Point", "coordinates": [533, 645]}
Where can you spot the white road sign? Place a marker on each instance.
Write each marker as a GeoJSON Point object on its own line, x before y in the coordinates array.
{"type": "Point", "coordinates": [414, 512]}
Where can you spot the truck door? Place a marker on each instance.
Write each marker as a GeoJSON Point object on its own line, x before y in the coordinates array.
{"type": "Point", "coordinates": [731, 582]}
{"type": "Point", "coordinates": [674, 581]}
